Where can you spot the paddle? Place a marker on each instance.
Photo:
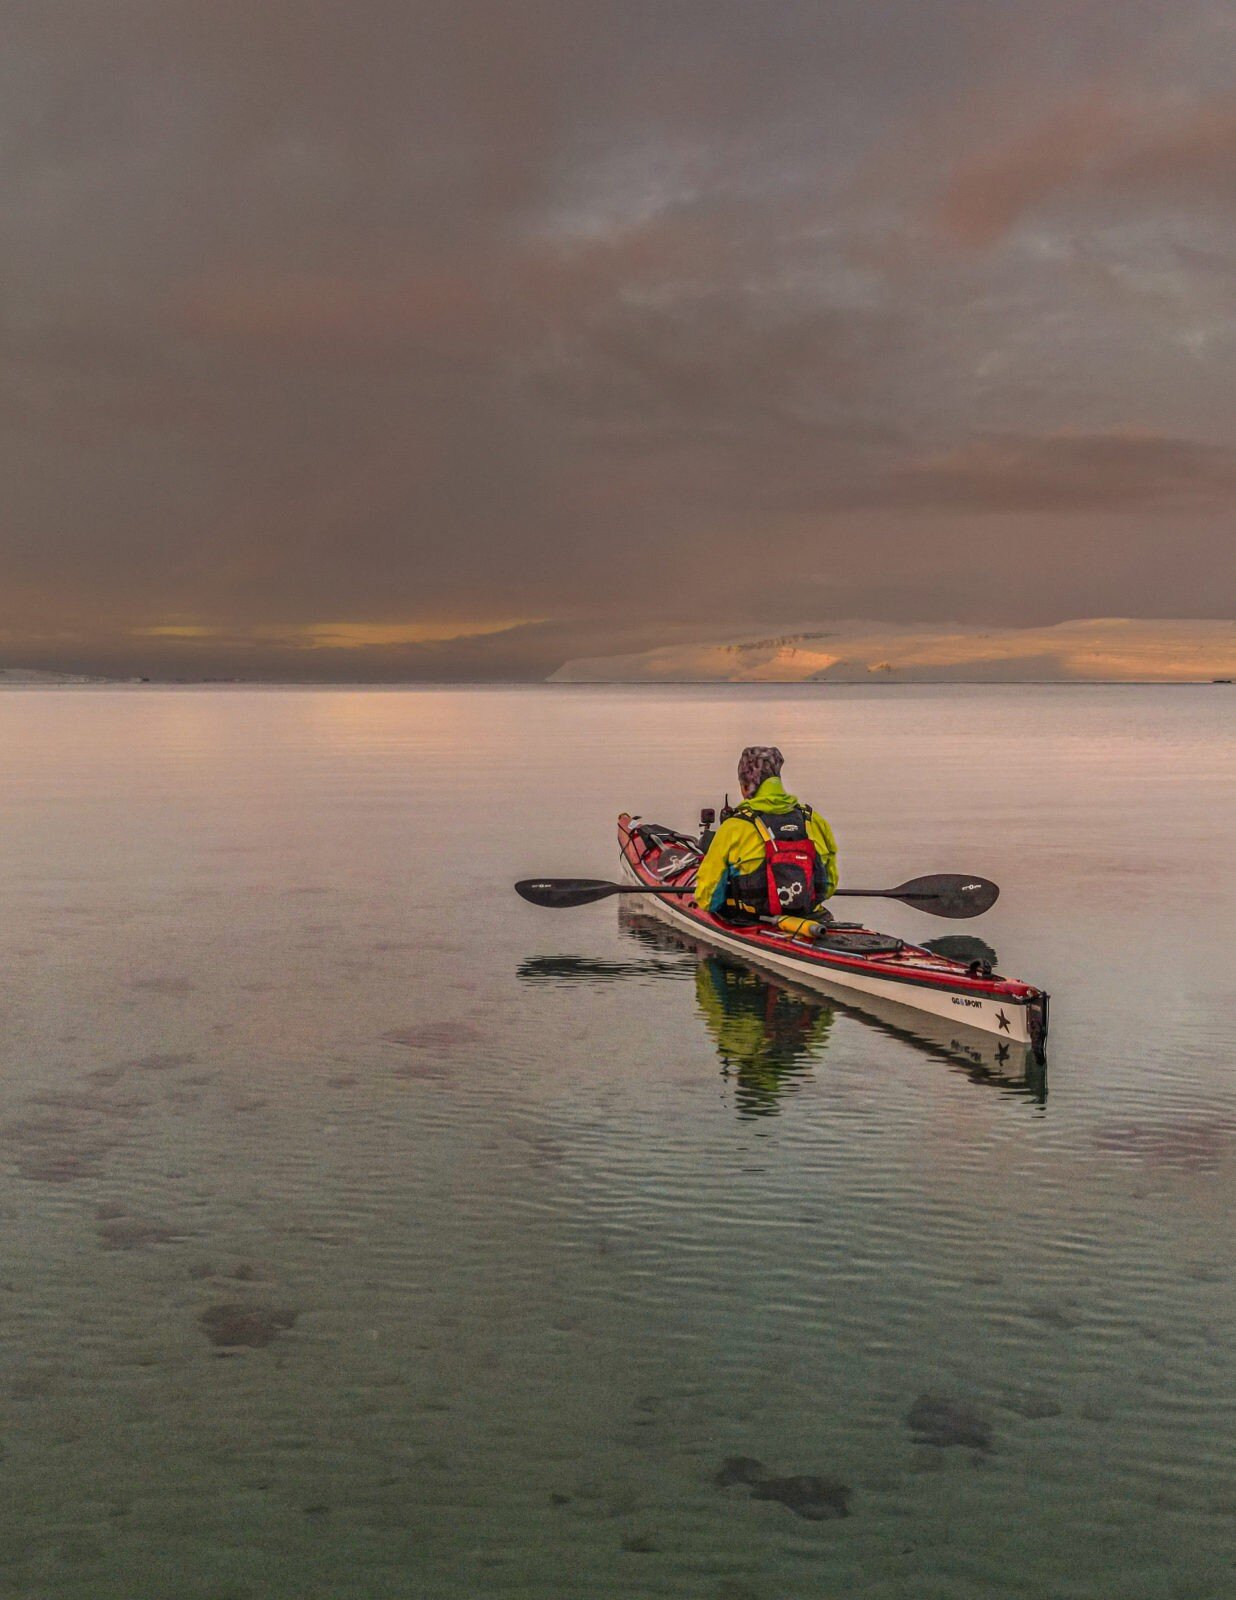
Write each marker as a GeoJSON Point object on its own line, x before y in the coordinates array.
{"type": "Point", "coordinates": [943, 894]}
{"type": "Point", "coordinates": [559, 893]}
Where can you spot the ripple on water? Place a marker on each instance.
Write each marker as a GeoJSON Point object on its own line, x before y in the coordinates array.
{"type": "Point", "coordinates": [59, 1148]}
{"type": "Point", "coordinates": [448, 1036]}
{"type": "Point", "coordinates": [165, 984]}
{"type": "Point", "coordinates": [1193, 1144]}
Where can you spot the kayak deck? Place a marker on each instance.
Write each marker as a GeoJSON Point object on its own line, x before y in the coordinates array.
{"type": "Point", "coordinates": [909, 975]}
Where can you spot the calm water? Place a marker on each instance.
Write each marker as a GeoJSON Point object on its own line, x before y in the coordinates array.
{"type": "Point", "coordinates": [543, 1217]}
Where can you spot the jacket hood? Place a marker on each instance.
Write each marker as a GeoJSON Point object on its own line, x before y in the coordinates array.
{"type": "Point", "coordinates": [771, 796]}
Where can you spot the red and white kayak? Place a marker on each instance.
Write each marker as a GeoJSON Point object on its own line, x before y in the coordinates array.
{"type": "Point", "coordinates": [853, 959]}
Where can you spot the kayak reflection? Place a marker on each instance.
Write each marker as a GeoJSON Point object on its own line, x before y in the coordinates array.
{"type": "Point", "coordinates": [735, 1000]}
{"type": "Point", "coordinates": [767, 1032]}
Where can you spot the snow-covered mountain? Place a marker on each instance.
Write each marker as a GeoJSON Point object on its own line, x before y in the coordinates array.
{"type": "Point", "coordinates": [1098, 650]}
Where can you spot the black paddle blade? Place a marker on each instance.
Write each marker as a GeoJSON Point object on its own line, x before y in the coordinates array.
{"type": "Point", "coordinates": [947, 894]}
{"type": "Point", "coordinates": [562, 893]}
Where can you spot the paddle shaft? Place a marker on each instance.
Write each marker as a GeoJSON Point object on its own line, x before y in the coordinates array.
{"type": "Point", "coordinates": [647, 888]}
{"type": "Point", "coordinates": [861, 894]}
{"type": "Point", "coordinates": [883, 894]}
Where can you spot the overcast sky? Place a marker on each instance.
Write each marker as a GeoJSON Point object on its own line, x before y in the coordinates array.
{"type": "Point", "coordinates": [331, 330]}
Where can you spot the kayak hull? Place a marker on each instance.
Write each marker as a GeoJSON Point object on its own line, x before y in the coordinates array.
{"type": "Point", "coordinates": [913, 978]}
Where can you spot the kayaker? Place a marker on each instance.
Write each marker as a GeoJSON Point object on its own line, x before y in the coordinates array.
{"type": "Point", "coordinates": [772, 855]}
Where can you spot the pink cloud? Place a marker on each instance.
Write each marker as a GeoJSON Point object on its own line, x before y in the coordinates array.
{"type": "Point", "coordinates": [989, 193]}
{"type": "Point", "coordinates": [1113, 148]}
{"type": "Point", "coordinates": [1195, 152]}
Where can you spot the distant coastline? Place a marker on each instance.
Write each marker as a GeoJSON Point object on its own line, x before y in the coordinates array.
{"type": "Point", "coordinates": [1106, 650]}
{"type": "Point", "coordinates": [27, 676]}
{"type": "Point", "coordinates": [81, 681]}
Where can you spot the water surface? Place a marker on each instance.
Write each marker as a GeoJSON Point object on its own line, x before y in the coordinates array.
{"type": "Point", "coordinates": [528, 1223]}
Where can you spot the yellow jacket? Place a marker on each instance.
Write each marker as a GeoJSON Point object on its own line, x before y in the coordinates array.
{"type": "Point", "coordinates": [737, 847]}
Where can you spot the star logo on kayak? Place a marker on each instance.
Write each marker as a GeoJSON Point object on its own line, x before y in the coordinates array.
{"type": "Point", "coordinates": [1002, 1020]}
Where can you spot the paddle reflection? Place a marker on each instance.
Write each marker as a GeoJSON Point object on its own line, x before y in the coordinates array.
{"type": "Point", "coordinates": [588, 969]}
{"type": "Point", "coordinates": [962, 947]}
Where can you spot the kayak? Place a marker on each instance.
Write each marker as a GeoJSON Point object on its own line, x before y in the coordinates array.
{"type": "Point", "coordinates": [984, 1057]}
{"type": "Point", "coordinates": [849, 959]}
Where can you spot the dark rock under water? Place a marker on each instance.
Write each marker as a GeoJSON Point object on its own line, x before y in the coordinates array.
{"type": "Point", "coordinates": [739, 1469]}
{"type": "Point", "coordinates": [806, 1494]}
{"type": "Point", "coordinates": [941, 1420]}
{"type": "Point", "coordinates": [131, 1233]}
{"type": "Point", "coordinates": [249, 1325]}
{"type": "Point", "coordinates": [163, 1061]}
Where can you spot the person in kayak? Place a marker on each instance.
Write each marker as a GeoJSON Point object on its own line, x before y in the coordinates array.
{"type": "Point", "coordinates": [772, 856]}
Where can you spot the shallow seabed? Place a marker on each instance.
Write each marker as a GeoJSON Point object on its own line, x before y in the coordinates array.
{"type": "Point", "coordinates": [367, 1232]}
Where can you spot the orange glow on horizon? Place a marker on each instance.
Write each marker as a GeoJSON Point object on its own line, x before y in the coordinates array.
{"type": "Point", "coordinates": [333, 635]}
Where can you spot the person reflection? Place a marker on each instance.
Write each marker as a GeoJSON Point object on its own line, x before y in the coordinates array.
{"type": "Point", "coordinates": [766, 1036]}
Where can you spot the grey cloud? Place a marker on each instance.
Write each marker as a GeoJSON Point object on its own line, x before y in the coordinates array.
{"type": "Point", "coordinates": [399, 312]}
{"type": "Point", "coordinates": [1106, 473]}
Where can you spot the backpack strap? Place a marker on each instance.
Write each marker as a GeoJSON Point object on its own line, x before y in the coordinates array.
{"type": "Point", "coordinates": [746, 813]}
{"type": "Point", "coordinates": [754, 817]}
